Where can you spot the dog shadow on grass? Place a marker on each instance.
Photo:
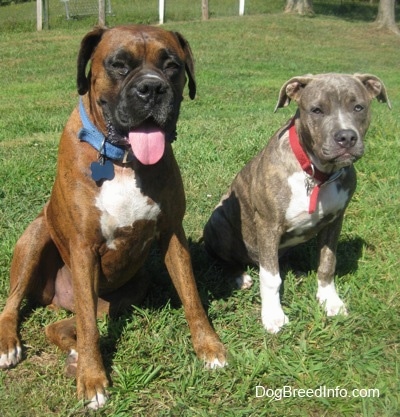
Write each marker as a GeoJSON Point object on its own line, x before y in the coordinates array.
{"type": "Point", "coordinates": [214, 283]}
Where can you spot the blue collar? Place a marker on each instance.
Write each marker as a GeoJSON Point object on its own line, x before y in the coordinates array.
{"type": "Point", "coordinates": [90, 134]}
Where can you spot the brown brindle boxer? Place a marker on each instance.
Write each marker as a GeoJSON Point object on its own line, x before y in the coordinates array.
{"type": "Point", "coordinates": [118, 187]}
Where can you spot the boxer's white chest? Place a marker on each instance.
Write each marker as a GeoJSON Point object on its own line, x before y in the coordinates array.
{"type": "Point", "coordinates": [331, 200]}
{"type": "Point", "coordinates": [122, 203]}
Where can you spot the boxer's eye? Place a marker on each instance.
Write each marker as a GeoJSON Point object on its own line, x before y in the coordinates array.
{"type": "Point", "coordinates": [358, 108]}
{"type": "Point", "coordinates": [120, 67]}
{"type": "Point", "coordinates": [171, 66]}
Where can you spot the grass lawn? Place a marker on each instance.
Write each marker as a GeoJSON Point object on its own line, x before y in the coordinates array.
{"type": "Point", "coordinates": [241, 64]}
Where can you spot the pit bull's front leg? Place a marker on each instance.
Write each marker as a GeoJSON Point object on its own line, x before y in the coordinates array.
{"type": "Point", "coordinates": [326, 293]}
{"type": "Point", "coordinates": [268, 237]}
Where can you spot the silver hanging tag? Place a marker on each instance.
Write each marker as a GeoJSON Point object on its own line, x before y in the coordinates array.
{"type": "Point", "coordinates": [309, 183]}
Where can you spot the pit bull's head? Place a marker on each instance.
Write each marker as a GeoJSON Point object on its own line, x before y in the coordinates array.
{"type": "Point", "coordinates": [333, 114]}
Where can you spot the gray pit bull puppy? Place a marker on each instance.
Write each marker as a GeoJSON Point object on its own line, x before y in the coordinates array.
{"type": "Point", "coordinates": [297, 187]}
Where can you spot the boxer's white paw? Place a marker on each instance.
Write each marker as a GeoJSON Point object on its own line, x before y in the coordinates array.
{"type": "Point", "coordinates": [71, 363]}
{"type": "Point", "coordinates": [244, 281]}
{"type": "Point", "coordinates": [216, 363]}
{"type": "Point", "coordinates": [273, 319]}
{"type": "Point", "coordinates": [328, 297]}
{"type": "Point", "coordinates": [7, 360]}
{"type": "Point", "coordinates": [97, 401]}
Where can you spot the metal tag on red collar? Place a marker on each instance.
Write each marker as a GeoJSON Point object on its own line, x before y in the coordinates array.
{"type": "Point", "coordinates": [102, 170]}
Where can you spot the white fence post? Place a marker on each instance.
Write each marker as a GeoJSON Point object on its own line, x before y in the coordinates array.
{"type": "Point", "coordinates": [161, 9]}
{"type": "Point", "coordinates": [241, 7]}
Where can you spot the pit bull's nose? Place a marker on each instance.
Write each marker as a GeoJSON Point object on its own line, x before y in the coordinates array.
{"type": "Point", "coordinates": [346, 138]}
{"type": "Point", "coordinates": [148, 89]}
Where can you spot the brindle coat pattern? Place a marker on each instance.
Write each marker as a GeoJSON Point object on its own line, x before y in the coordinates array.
{"type": "Point", "coordinates": [265, 211]}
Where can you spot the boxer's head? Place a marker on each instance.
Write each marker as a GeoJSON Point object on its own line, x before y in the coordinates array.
{"type": "Point", "coordinates": [135, 84]}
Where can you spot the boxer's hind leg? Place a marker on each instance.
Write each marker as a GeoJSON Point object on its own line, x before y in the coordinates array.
{"type": "Point", "coordinates": [63, 333]}
{"type": "Point", "coordinates": [35, 260]}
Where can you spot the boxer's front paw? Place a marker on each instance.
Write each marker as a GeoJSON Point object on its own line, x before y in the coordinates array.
{"type": "Point", "coordinates": [10, 347]}
{"type": "Point", "coordinates": [273, 319]}
{"type": "Point", "coordinates": [328, 297]}
{"type": "Point", "coordinates": [213, 353]}
{"type": "Point", "coordinates": [9, 358]}
{"type": "Point", "coordinates": [98, 401]}
{"type": "Point", "coordinates": [92, 389]}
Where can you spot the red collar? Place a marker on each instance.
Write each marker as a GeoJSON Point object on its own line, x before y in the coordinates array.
{"type": "Point", "coordinates": [313, 174]}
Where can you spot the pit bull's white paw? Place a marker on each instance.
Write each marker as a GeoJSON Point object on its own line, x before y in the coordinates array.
{"type": "Point", "coordinates": [274, 319]}
{"type": "Point", "coordinates": [97, 401]}
{"type": "Point", "coordinates": [7, 360]}
{"type": "Point", "coordinates": [244, 282]}
{"type": "Point", "coordinates": [328, 297]}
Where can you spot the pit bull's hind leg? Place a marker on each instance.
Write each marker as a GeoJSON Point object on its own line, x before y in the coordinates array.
{"type": "Point", "coordinates": [35, 260]}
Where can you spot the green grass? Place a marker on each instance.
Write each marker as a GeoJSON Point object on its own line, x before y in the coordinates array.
{"type": "Point", "coordinates": [241, 64]}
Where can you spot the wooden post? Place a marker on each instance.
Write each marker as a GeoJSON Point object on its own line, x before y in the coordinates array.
{"type": "Point", "coordinates": [39, 15]}
{"type": "Point", "coordinates": [161, 11]}
{"type": "Point", "coordinates": [204, 9]}
{"type": "Point", "coordinates": [102, 13]}
{"type": "Point", "coordinates": [46, 14]}
{"type": "Point", "coordinates": [241, 7]}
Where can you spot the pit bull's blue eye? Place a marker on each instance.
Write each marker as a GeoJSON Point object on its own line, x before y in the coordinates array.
{"type": "Point", "coordinates": [316, 110]}
{"type": "Point", "coordinates": [358, 108]}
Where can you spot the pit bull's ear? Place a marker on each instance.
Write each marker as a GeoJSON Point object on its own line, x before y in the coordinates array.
{"type": "Point", "coordinates": [189, 64]}
{"type": "Point", "coordinates": [88, 45]}
{"type": "Point", "coordinates": [292, 90]}
{"type": "Point", "coordinates": [375, 87]}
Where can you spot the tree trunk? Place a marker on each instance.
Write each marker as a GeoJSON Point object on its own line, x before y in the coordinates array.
{"type": "Point", "coordinates": [386, 16]}
{"type": "Point", "coordinates": [302, 7]}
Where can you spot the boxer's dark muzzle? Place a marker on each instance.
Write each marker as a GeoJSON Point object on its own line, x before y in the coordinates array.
{"type": "Point", "coordinates": [145, 99]}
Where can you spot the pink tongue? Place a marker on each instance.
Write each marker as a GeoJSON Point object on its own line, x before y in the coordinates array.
{"type": "Point", "coordinates": [148, 144]}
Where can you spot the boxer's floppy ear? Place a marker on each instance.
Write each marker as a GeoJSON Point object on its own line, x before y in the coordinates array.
{"type": "Point", "coordinates": [375, 87]}
{"type": "Point", "coordinates": [88, 45]}
{"type": "Point", "coordinates": [292, 90]}
{"type": "Point", "coordinates": [189, 64]}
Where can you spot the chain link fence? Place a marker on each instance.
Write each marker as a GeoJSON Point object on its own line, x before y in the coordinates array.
{"type": "Point", "coordinates": [20, 15]}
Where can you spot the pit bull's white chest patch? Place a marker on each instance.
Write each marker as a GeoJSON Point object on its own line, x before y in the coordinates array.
{"type": "Point", "coordinates": [331, 200]}
{"type": "Point", "coordinates": [121, 203]}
